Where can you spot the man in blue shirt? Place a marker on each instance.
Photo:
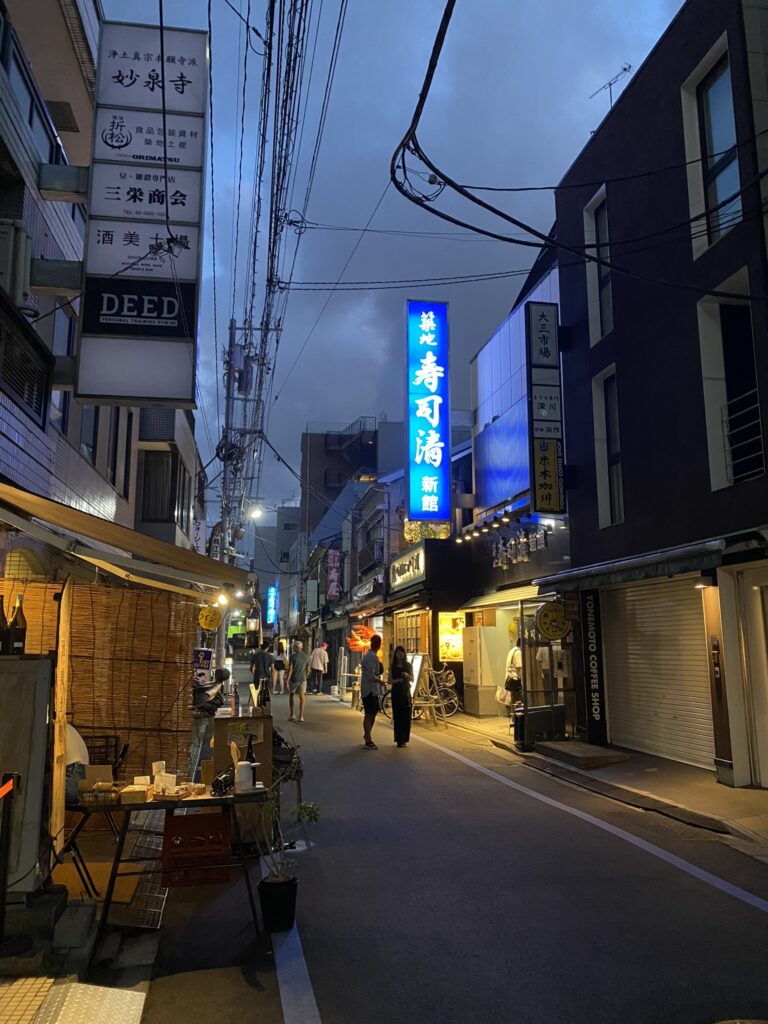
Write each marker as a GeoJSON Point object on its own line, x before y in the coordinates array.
{"type": "Point", "coordinates": [371, 689]}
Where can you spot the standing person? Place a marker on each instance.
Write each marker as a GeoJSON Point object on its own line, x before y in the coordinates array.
{"type": "Point", "coordinates": [318, 663]}
{"type": "Point", "coordinates": [278, 670]}
{"type": "Point", "coordinates": [261, 670]}
{"type": "Point", "coordinates": [370, 689]}
{"type": "Point", "coordinates": [401, 677]}
{"type": "Point", "coordinates": [514, 672]}
{"type": "Point", "coordinates": [297, 679]}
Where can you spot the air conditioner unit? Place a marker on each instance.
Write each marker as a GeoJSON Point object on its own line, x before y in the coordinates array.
{"type": "Point", "coordinates": [15, 261]}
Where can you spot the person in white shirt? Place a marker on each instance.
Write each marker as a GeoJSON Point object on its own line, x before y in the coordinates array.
{"type": "Point", "coordinates": [514, 672]}
{"type": "Point", "coordinates": [371, 670]}
{"type": "Point", "coordinates": [318, 662]}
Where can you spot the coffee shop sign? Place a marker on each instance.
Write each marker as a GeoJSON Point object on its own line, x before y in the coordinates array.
{"type": "Point", "coordinates": [408, 569]}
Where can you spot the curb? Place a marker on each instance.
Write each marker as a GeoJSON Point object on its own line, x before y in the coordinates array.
{"type": "Point", "coordinates": [641, 799]}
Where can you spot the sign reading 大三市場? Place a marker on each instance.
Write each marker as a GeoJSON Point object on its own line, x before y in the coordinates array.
{"type": "Point", "coordinates": [142, 243]}
{"type": "Point", "coordinates": [428, 413]}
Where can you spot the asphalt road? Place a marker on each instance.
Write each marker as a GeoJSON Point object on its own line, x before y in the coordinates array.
{"type": "Point", "coordinates": [434, 893]}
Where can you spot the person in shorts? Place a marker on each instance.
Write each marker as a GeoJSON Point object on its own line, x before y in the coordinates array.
{"type": "Point", "coordinates": [370, 690]}
{"type": "Point", "coordinates": [297, 679]}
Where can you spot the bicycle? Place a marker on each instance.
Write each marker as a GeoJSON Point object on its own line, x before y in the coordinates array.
{"type": "Point", "coordinates": [441, 684]}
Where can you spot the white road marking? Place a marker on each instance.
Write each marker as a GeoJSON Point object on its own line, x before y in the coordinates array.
{"type": "Point", "coordinates": [655, 851]}
{"type": "Point", "coordinates": [296, 993]}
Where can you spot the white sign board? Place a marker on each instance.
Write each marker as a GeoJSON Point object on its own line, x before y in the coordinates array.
{"type": "Point", "coordinates": [141, 250]}
{"type": "Point", "coordinates": [138, 321]}
{"type": "Point", "coordinates": [130, 68]}
{"type": "Point", "coordinates": [139, 193]}
{"type": "Point", "coordinates": [138, 136]}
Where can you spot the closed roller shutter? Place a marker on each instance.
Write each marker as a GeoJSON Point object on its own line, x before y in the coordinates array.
{"type": "Point", "coordinates": [657, 678]}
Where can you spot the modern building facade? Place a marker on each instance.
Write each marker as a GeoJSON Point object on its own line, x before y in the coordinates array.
{"type": "Point", "coordinates": [665, 379]}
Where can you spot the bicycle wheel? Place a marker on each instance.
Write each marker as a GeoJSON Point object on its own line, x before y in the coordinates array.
{"type": "Point", "coordinates": [450, 700]}
{"type": "Point", "coordinates": [386, 705]}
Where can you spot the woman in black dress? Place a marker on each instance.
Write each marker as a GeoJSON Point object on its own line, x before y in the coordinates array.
{"type": "Point", "coordinates": [400, 677]}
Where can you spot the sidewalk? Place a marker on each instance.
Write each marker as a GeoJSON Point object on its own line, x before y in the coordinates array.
{"type": "Point", "coordinates": [694, 792]}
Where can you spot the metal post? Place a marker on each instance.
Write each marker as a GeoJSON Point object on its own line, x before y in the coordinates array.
{"type": "Point", "coordinates": [18, 944]}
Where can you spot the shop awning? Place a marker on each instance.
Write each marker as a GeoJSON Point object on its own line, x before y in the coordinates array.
{"type": "Point", "coordinates": [500, 598]}
{"type": "Point", "coordinates": [118, 549]}
{"type": "Point", "coordinates": [669, 562]}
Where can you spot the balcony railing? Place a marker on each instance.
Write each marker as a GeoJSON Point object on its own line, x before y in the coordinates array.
{"type": "Point", "coordinates": [743, 434]}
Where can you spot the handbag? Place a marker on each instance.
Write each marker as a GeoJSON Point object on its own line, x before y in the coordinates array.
{"type": "Point", "coordinates": [503, 696]}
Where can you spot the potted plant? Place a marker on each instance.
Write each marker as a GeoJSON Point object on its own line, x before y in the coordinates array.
{"type": "Point", "coordinates": [277, 888]}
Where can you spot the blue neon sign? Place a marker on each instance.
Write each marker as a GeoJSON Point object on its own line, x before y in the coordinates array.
{"type": "Point", "coordinates": [429, 412]}
{"type": "Point", "coordinates": [271, 605]}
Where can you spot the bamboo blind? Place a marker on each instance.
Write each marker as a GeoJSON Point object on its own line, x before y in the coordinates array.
{"type": "Point", "coordinates": [131, 658]}
{"type": "Point", "coordinates": [41, 611]}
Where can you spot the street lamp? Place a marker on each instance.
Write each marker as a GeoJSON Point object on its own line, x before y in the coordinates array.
{"type": "Point", "coordinates": [255, 512]}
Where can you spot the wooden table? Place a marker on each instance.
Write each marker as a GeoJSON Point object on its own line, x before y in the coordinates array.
{"type": "Point", "coordinates": [230, 803]}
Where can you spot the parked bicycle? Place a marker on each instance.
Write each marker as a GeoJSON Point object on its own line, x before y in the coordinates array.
{"type": "Point", "coordinates": [441, 684]}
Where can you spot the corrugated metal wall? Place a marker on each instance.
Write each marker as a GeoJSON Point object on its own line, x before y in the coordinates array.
{"type": "Point", "coordinates": [657, 679]}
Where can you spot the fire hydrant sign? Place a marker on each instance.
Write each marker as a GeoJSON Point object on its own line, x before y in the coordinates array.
{"type": "Point", "coordinates": [138, 342]}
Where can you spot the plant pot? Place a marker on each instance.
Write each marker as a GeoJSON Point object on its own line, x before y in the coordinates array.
{"type": "Point", "coordinates": [278, 903]}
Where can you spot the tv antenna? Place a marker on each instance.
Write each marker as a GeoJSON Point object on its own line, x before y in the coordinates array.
{"type": "Point", "coordinates": [626, 70]}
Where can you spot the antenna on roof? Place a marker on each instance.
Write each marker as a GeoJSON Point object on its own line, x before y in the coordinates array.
{"type": "Point", "coordinates": [626, 70]}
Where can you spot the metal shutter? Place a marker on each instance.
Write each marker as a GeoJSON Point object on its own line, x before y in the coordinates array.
{"type": "Point", "coordinates": [657, 678]}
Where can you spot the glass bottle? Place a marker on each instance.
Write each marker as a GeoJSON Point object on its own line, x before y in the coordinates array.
{"type": "Point", "coordinates": [17, 631]}
{"type": "Point", "coordinates": [249, 754]}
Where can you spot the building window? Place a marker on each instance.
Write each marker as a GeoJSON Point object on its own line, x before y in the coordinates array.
{"type": "Point", "coordinates": [608, 469]}
{"type": "Point", "coordinates": [156, 506]}
{"type": "Point", "coordinates": [285, 556]}
{"type": "Point", "coordinates": [32, 109]}
{"type": "Point", "coordinates": [62, 344]}
{"type": "Point", "coordinates": [599, 290]}
{"type": "Point", "coordinates": [605, 299]}
{"type": "Point", "coordinates": [183, 496]}
{"type": "Point", "coordinates": [719, 164]}
{"type": "Point", "coordinates": [112, 452]}
{"type": "Point", "coordinates": [729, 380]}
{"type": "Point", "coordinates": [128, 454]}
{"type": "Point", "coordinates": [613, 450]}
{"type": "Point", "coordinates": [290, 526]}
{"type": "Point", "coordinates": [89, 432]}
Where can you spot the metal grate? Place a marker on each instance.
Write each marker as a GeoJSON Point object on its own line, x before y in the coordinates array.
{"type": "Point", "coordinates": [743, 433]}
{"type": "Point", "coordinates": [23, 371]}
{"type": "Point", "coordinates": [146, 908]}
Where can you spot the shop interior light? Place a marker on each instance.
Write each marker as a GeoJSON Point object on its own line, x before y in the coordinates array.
{"type": "Point", "coordinates": [459, 540]}
{"type": "Point", "coordinates": [496, 524]}
{"type": "Point", "coordinates": [475, 533]}
{"type": "Point", "coordinates": [505, 518]}
{"type": "Point", "coordinates": [484, 529]}
{"type": "Point", "coordinates": [222, 599]}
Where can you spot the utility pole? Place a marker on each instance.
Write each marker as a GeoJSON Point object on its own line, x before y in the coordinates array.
{"type": "Point", "coordinates": [226, 453]}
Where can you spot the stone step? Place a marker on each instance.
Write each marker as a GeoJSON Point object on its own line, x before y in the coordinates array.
{"type": "Point", "coordinates": [581, 755]}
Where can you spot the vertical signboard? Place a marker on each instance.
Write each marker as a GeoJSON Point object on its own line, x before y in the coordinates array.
{"type": "Point", "coordinates": [333, 575]}
{"type": "Point", "coordinates": [545, 413]}
{"type": "Point", "coordinates": [592, 640]}
{"type": "Point", "coordinates": [271, 605]}
{"type": "Point", "coordinates": [428, 413]}
{"type": "Point", "coordinates": [138, 325]}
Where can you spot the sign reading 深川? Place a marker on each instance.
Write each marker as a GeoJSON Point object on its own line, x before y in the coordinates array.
{"type": "Point", "coordinates": [545, 413]}
{"type": "Point", "coordinates": [138, 321]}
{"type": "Point", "coordinates": [428, 413]}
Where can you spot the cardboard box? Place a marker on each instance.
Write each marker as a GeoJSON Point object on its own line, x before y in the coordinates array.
{"type": "Point", "coordinates": [237, 730]}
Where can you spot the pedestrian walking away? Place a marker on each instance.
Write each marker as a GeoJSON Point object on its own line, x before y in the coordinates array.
{"type": "Point", "coordinates": [318, 663]}
{"type": "Point", "coordinates": [261, 670]}
{"type": "Point", "coordinates": [297, 680]}
{"type": "Point", "coordinates": [400, 678]}
{"type": "Point", "coordinates": [370, 689]}
{"type": "Point", "coordinates": [278, 670]}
